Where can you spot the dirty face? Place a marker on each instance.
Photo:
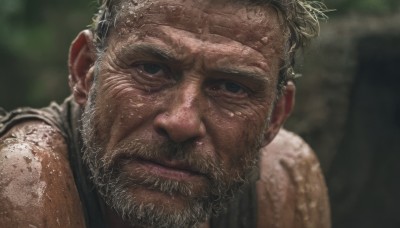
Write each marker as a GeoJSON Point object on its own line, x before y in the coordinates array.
{"type": "Point", "coordinates": [180, 106]}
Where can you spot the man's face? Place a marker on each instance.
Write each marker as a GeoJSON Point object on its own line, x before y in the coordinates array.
{"type": "Point", "coordinates": [180, 105]}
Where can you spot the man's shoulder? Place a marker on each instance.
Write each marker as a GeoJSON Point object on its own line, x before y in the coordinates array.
{"type": "Point", "coordinates": [35, 178]}
{"type": "Point", "coordinates": [290, 149]}
{"type": "Point", "coordinates": [35, 135]}
{"type": "Point", "coordinates": [291, 184]}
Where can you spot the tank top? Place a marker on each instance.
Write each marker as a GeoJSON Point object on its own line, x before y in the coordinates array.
{"type": "Point", "coordinates": [240, 213]}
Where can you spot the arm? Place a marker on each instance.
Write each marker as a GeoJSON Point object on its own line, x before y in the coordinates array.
{"type": "Point", "coordinates": [291, 190]}
{"type": "Point", "coordinates": [37, 188]}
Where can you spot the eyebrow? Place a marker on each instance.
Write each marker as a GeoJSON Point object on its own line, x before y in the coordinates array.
{"type": "Point", "coordinates": [151, 51]}
{"type": "Point", "coordinates": [241, 73]}
{"type": "Point", "coordinates": [161, 54]}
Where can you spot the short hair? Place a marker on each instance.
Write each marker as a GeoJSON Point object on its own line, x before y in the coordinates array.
{"type": "Point", "coordinates": [300, 19]}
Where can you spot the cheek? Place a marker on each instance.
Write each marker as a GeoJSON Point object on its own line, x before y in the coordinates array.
{"type": "Point", "coordinates": [122, 111]}
{"type": "Point", "coordinates": [237, 137]}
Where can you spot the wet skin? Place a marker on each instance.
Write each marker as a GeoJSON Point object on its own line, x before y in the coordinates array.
{"type": "Point", "coordinates": [291, 189]}
{"type": "Point", "coordinates": [37, 187]}
{"type": "Point", "coordinates": [209, 81]}
{"type": "Point", "coordinates": [197, 74]}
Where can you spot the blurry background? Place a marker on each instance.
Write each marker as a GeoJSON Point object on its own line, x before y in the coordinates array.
{"type": "Point", "coordinates": [348, 103]}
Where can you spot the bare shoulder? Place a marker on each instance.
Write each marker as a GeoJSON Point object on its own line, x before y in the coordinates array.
{"type": "Point", "coordinates": [37, 188]}
{"type": "Point", "coordinates": [292, 191]}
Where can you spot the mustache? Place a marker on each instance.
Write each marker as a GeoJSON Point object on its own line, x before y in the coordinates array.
{"type": "Point", "coordinates": [185, 154]}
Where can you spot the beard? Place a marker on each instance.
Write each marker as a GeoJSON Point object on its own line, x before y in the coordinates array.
{"type": "Point", "coordinates": [116, 186]}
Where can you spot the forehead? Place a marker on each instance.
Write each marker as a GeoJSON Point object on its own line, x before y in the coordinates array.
{"type": "Point", "coordinates": [255, 26]}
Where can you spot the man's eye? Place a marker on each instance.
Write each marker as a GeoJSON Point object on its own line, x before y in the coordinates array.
{"type": "Point", "coordinates": [152, 76]}
{"type": "Point", "coordinates": [151, 68]}
{"type": "Point", "coordinates": [229, 88]}
{"type": "Point", "coordinates": [232, 87]}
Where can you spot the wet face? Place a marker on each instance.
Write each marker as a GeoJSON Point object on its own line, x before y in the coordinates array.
{"type": "Point", "coordinates": [180, 106]}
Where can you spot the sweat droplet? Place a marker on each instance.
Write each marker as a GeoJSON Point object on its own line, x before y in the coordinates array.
{"type": "Point", "coordinates": [31, 131]}
{"type": "Point", "coordinates": [264, 40]}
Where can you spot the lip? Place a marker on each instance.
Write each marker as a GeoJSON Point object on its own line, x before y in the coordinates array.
{"type": "Point", "coordinates": [170, 169]}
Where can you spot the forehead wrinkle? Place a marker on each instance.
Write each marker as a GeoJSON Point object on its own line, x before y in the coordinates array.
{"type": "Point", "coordinates": [198, 15]}
{"type": "Point", "coordinates": [147, 13]}
{"type": "Point", "coordinates": [181, 51]}
{"type": "Point", "coordinates": [209, 15]}
{"type": "Point", "coordinates": [149, 49]}
{"type": "Point", "coordinates": [190, 52]}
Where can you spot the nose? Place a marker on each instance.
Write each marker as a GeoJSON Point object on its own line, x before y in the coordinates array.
{"type": "Point", "coordinates": [182, 121]}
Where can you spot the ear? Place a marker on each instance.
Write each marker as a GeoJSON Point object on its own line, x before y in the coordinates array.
{"type": "Point", "coordinates": [80, 64]}
{"type": "Point", "coordinates": [282, 109]}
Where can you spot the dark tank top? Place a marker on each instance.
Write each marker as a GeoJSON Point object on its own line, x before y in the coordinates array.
{"type": "Point", "coordinates": [241, 212]}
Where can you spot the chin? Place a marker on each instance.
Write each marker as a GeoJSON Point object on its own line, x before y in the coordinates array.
{"type": "Point", "coordinates": [141, 206]}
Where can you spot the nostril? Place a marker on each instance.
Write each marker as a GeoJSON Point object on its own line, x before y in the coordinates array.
{"type": "Point", "coordinates": [162, 131]}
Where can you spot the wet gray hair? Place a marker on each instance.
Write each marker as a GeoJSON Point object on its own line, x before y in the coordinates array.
{"type": "Point", "coordinates": [300, 19]}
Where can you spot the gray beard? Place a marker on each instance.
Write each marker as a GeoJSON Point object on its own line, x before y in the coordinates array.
{"type": "Point", "coordinates": [114, 185]}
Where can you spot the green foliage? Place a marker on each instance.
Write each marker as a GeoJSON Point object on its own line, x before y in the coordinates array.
{"type": "Point", "coordinates": [34, 42]}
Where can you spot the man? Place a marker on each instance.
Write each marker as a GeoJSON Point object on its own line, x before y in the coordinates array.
{"type": "Point", "coordinates": [176, 102]}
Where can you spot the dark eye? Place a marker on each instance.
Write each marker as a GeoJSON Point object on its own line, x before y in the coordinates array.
{"type": "Point", "coordinates": [152, 76]}
{"type": "Point", "coordinates": [229, 88]}
{"type": "Point", "coordinates": [232, 87]}
{"type": "Point", "coordinates": [151, 68]}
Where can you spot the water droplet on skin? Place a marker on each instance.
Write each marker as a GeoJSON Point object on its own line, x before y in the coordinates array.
{"type": "Point", "coordinates": [31, 131]}
{"type": "Point", "coordinates": [298, 178]}
{"type": "Point", "coordinates": [264, 40]}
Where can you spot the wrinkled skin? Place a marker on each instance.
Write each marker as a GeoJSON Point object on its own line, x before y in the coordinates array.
{"type": "Point", "coordinates": [204, 75]}
{"type": "Point", "coordinates": [166, 78]}
{"type": "Point", "coordinates": [291, 189]}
